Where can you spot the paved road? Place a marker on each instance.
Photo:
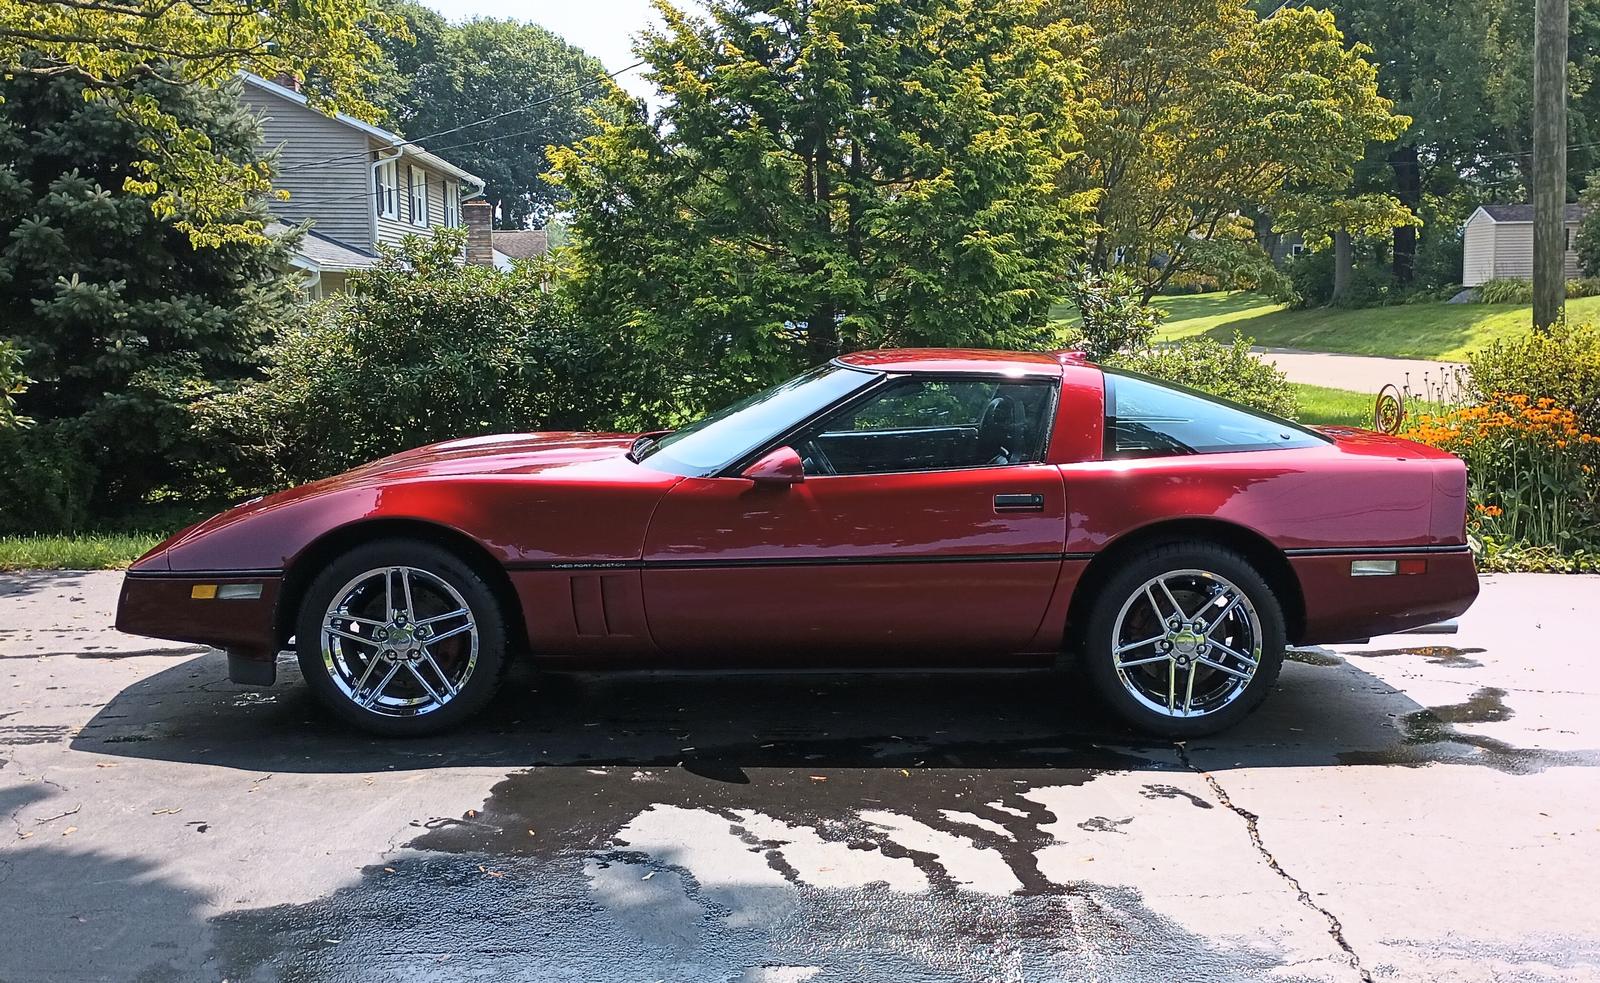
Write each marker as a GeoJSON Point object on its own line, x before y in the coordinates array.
{"type": "Point", "coordinates": [1394, 812]}
{"type": "Point", "coordinates": [1363, 373]}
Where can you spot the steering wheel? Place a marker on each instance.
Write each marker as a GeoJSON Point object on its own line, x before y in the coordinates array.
{"type": "Point", "coordinates": [811, 453]}
{"type": "Point", "coordinates": [997, 430]}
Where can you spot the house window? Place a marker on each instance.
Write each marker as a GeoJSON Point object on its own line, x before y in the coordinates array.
{"type": "Point", "coordinates": [452, 203]}
{"type": "Point", "coordinates": [1297, 249]}
{"type": "Point", "coordinates": [388, 190]}
{"type": "Point", "coordinates": [417, 185]}
{"type": "Point", "coordinates": [1118, 255]}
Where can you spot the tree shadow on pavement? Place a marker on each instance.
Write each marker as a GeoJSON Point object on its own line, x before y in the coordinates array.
{"type": "Point", "coordinates": [75, 914]}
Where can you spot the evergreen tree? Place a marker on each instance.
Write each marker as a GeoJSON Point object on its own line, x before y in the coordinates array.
{"type": "Point", "coordinates": [121, 319]}
{"type": "Point", "coordinates": [829, 175]}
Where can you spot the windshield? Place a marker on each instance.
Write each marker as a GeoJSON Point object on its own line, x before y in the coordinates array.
{"type": "Point", "coordinates": [716, 441]}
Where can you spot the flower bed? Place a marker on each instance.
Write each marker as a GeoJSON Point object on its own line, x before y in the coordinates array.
{"type": "Point", "coordinates": [1531, 480]}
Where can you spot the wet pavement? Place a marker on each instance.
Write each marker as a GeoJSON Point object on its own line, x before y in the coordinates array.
{"type": "Point", "coordinates": [1402, 810]}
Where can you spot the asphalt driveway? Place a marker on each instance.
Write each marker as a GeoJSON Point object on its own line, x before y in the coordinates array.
{"type": "Point", "coordinates": [1402, 810]}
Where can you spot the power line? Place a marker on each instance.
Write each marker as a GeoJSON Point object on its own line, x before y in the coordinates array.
{"type": "Point", "coordinates": [1528, 153]}
{"type": "Point", "coordinates": [414, 141]}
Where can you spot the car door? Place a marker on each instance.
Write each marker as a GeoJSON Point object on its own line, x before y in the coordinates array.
{"type": "Point", "coordinates": [926, 526]}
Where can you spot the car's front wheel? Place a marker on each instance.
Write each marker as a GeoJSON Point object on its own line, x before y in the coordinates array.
{"type": "Point", "coordinates": [1185, 640]}
{"type": "Point", "coordinates": [401, 638]}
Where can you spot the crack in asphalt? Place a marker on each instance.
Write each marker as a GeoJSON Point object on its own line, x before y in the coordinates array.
{"type": "Point", "coordinates": [1253, 826]}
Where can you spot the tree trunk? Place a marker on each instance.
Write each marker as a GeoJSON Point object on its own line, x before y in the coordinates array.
{"type": "Point", "coordinates": [1407, 188]}
{"type": "Point", "coordinates": [1343, 266]}
{"type": "Point", "coordinates": [1549, 162]}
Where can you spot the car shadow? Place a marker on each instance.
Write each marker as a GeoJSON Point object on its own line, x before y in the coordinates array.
{"type": "Point", "coordinates": [1327, 710]}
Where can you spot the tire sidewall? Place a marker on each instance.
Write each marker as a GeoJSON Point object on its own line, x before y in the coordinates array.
{"type": "Point", "coordinates": [1099, 641]}
{"type": "Point", "coordinates": [481, 601]}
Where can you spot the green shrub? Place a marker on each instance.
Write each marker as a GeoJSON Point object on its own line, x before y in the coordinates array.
{"type": "Point", "coordinates": [1311, 274]}
{"type": "Point", "coordinates": [1371, 285]}
{"type": "Point", "coordinates": [1505, 291]}
{"type": "Point", "coordinates": [1114, 319]}
{"type": "Point", "coordinates": [1562, 365]}
{"type": "Point", "coordinates": [423, 349]}
{"type": "Point", "coordinates": [48, 481]}
{"type": "Point", "coordinates": [13, 383]}
{"type": "Point", "coordinates": [1231, 371]}
{"type": "Point", "coordinates": [1588, 238]}
{"type": "Point", "coordinates": [1510, 290]}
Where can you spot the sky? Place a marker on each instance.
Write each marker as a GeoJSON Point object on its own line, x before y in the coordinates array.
{"type": "Point", "coordinates": [603, 28]}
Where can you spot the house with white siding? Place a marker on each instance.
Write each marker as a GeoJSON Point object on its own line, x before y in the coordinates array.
{"type": "Point", "coordinates": [1498, 244]}
{"type": "Point", "coordinates": [357, 185]}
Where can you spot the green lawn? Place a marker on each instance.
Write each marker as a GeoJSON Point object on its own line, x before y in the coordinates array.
{"type": "Point", "coordinates": [1333, 407]}
{"type": "Point", "coordinates": [1431, 331]}
{"type": "Point", "coordinates": [78, 551]}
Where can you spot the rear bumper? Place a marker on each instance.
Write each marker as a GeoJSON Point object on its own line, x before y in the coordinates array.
{"type": "Point", "coordinates": [195, 607]}
{"type": "Point", "coordinates": [1341, 607]}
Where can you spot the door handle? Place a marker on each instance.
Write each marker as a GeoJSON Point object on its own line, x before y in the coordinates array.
{"type": "Point", "coordinates": [1019, 502]}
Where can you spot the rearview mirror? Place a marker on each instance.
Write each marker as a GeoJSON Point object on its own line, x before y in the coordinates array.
{"type": "Point", "coordinates": [780, 466]}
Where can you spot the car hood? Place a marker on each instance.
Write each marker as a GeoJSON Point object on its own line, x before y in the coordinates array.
{"type": "Point", "coordinates": [514, 453]}
{"type": "Point", "coordinates": [571, 459]}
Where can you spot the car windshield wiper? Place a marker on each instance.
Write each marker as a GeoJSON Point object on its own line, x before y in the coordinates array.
{"type": "Point", "coordinates": [643, 446]}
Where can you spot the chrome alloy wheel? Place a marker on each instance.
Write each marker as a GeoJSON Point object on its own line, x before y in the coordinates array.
{"type": "Point", "coordinates": [1187, 643]}
{"type": "Point", "coordinates": [399, 641]}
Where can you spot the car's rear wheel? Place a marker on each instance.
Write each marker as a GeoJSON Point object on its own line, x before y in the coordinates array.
{"type": "Point", "coordinates": [1185, 640]}
{"type": "Point", "coordinates": [401, 638]}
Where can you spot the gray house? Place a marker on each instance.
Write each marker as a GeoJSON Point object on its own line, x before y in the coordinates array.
{"type": "Point", "coordinates": [1498, 243]}
{"type": "Point", "coordinates": [358, 185]}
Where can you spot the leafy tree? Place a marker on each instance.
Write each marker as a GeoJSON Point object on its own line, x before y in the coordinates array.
{"type": "Point", "coordinates": [423, 349]}
{"type": "Point", "coordinates": [118, 314]}
{"type": "Point", "coordinates": [1462, 71]}
{"type": "Point", "coordinates": [1207, 110]}
{"type": "Point", "coordinates": [115, 49]}
{"type": "Point", "coordinates": [455, 74]}
{"type": "Point", "coordinates": [829, 175]}
{"type": "Point", "coordinates": [1588, 244]}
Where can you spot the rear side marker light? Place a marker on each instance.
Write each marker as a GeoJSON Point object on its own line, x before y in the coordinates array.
{"type": "Point", "coordinates": [1387, 568]}
{"type": "Point", "coordinates": [225, 592]}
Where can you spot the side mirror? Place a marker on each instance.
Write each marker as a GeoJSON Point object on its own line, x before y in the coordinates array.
{"type": "Point", "coordinates": [780, 466]}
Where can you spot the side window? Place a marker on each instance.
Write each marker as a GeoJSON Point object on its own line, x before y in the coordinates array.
{"type": "Point", "coordinates": [1147, 419]}
{"type": "Point", "coordinates": [933, 425]}
{"type": "Point", "coordinates": [417, 186]}
{"type": "Point", "coordinates": [388, 190]}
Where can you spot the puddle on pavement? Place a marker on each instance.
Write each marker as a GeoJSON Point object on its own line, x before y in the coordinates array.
{"type": "Point", "coordinates": [626, 873]}
{"type": "Point", "coordinates": [1429, 733]}
{"type": "Point", "coordinates": [1440, 655]}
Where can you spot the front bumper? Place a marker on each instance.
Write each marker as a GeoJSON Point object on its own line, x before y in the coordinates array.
{"type": "Point", "coordinates": [1340, 607]}
{"type": "Point", "coordinates": [222, 609]}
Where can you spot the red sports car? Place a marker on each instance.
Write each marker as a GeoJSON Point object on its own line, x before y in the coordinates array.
{"type": "Point", "coordinates": [890, 507]}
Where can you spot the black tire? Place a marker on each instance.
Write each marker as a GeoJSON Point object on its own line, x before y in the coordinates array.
{"type": "Point", "coordinates": [475, 690]}
{"type": "Point", "coordinates": [1099, 642]}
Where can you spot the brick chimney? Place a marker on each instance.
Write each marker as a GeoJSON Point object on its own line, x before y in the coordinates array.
{"type": "Point", "coordinates": [479, 216]}
{"type": "Point", "coordinates": [288, 80]}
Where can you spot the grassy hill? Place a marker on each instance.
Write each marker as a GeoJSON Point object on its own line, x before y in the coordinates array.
{"type": "Point", "coordinates": [1432, 331]}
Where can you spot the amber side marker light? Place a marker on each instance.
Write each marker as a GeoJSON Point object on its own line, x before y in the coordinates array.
{"type": "Point", "coordinates": [225, 592]}
{"type": "Point", "coordinates": [1386, 568]}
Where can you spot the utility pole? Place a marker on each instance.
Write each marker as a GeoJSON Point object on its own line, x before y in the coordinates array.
{"type": "Point", "coordinates": [1549, 162]}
